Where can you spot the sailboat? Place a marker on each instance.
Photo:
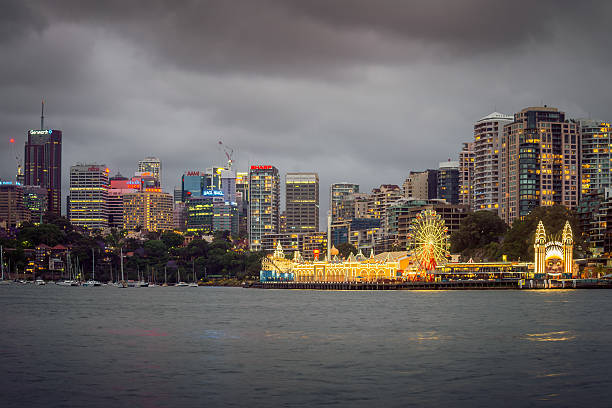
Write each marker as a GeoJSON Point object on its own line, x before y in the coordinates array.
{"type": "Point", "coordinates": [152, 284]}
{"type": "Point", "coordinates": [92, 281]}
{"type": "Point", "coordinates": [2, 281]}
{"type": "Point", "coordinates": [70, 281]}
{"type": "Point", "coordinates": [121, 283]}
{"type": "Point", "coordinates": [165, 277]}
{"type": "Point", "coordinates": [193, 284]}
{"type": "Point", "coordinates": [178, 279]}
{"type": "Point", "coordinates": [141, 282]}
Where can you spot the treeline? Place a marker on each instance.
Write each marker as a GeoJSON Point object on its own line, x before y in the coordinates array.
{"type": "Point", "coordinates": [483, 236]}
{"type": "Point", "coordinates": [223, 256]}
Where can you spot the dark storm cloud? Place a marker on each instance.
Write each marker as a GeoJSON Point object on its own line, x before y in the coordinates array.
{"type": "Point", "coordinates": [361, 91]}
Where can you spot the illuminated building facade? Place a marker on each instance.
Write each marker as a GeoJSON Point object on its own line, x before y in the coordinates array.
{"type": "Point", "coordinates": [539, 162]}
{"type": "Point", "coordinates": [242, 197]}
{"type": "Point", "coordinates": [43, 165]}
{"type": "Point", "coordinates": [152, 166]}
{"type": "Point", "coordinates": [119, 186]}
{"type": "Point", "coordinates": [488, 132]}
{"type": "Point", "coordinates": [596, 156]}
{"type": "Point", "coordinates": [35, 199]}
{"type": "Point", "coordinates": [12, 209]}
{"type": "Point", "coordinates": [466, 175]}
{"type": "Point", "coordinates": [383, 197]}
{"type": "Point", "coordinates": [148, 211]}
{"type": "Point", "coordinates": [554, 259]}
{"type": "Point", "coordinates": [338, 192]}
{"type": "Point", "coordinates": [306, 243]}
{"type": "Point", "coordinates": [225, 216]}
{"type": "Point", "coordinates": [302, 202]}
{"type": "Point", "coordinates": [264, 204]}
{"type": "Point", "coordinates": [89, 184]}
{"type": "Point", "coordinates": [200, 213]}
{"type": "Point", "coordinates": [448, 182]}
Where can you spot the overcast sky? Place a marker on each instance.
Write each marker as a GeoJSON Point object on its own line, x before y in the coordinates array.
{"type": "Point", "coordinates": [360, 91]}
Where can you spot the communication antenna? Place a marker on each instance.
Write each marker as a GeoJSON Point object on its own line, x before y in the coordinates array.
{"type": "Point", "coordinates": [42, 115]}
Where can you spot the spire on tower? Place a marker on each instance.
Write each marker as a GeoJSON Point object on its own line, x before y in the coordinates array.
{"type": "Point", "coordinates": [42, 114]}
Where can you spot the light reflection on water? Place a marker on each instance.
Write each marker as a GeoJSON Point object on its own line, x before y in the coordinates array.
{"type": "Point", "coordinates": [159, 347]}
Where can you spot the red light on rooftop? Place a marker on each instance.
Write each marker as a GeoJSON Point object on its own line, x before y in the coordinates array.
{"type": "Point", "coordinates": [12, 141]}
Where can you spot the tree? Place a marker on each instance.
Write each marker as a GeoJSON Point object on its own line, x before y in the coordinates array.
{"type": "Point", "coordinates": [477, 230]}
{"type": "Point", "coordinates": [345, 249]}
{"type": "Point", "coordinates": [518, 240]}
{"type": "Point", "coordinates": [172, 239]}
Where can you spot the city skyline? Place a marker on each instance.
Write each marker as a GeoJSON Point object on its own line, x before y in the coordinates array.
{"type": "Point", "coordinates": [361, 107]}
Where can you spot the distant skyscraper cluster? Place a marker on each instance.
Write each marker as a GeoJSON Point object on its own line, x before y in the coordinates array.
{"type": "Point", "coordinates": [510, 165]}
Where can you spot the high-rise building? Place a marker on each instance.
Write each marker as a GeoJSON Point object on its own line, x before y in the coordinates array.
{"type": "Point", "coordinates": [148, 211]}
{"type": "Point", "coordinates": [192, 184]}
{"type": "Point", "coordinates": [119, 186]}
{"type": "Point", "coordinates": [43, 164]}
{"type": "Point", "coordinates": [228, 185]}
{"type": "Point", "coordinates": [12, 209]}
{"type": "Point", "coordinates": [421, 185]}
{"type": "Point", "coordinates": [200, 213]}
{"type": "Point", "coordinates": [264, 204]}
{"type": "Point", "coordinates": [152, 166]}
{"type": "Point", "coordinates": [302, 202]}
{"type": "Point", "coordinates": [448, 182]}
{"type": "Point", "coordinates": [225, 217]}
{"type": "Point", "coordinates": [466, 175]}
{"type": "Point", "coordinates": [242, 197]}
{"type": "Point", "coordinates": [596, 156]}
{"type": "Point", "coordinates": [212, 178]}
{"type": "Point", "coordinates": [337, 193]}
{"type": "Point", "coordinates": [538, 162]}
{"type": "Point", "coordinates": [384, 197]}
{"type": "Point", "coordinates": [488, 132]}
{"type": "Point", "coordinates": [89, 186]}
{"type": "Point", "coordinates": [35, 200]}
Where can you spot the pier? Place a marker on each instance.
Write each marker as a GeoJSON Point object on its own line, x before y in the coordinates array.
{"type": "Point", "coordinates": [451, 285]}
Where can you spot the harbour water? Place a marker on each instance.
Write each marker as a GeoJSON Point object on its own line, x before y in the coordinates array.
{"type": "Point", "coordinates": [207, 346]}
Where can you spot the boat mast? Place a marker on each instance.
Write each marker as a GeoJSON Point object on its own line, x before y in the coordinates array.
{"type": "Point", "coordinates": [2, 260]}
{"type": "Point", "coordinates": [122, 265]}
{"type": "Point", "coordinates": [93, 265]}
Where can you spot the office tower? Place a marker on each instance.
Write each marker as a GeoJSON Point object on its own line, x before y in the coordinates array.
{"type": "Point", "coordinates": [337, 192]}
{"type": "Point", "coordinates": [302, 202]}
{"type": "Point", "coordinates": [264, 204]}
{"type": "Point", "coordinates": [43, 164]}
{"type": "Point", "coordinates": [596, 156]}
{"type": "Point", "coordinates": [89, 186]}
{"type": "Point", "coordinates": [225, 217]}
{"type": "Point", "coordinates": [200, 213]}
{"type": "Point", "coordinates": [148, 211]}
{"type": "Point", "coordinates": [466, 175]}
{"type": "Point", "coordinates": [228, 185]}
{"type": "Point", "coordinates": [242, 197]}
{"type": "Point", "coordinates": [421, 185]}
{"type": "Point", "coordinates": [151, 166]}
{"type": "Point", "coordinates": [538, 162]}
{"type": "Point", "coordinates": [192, 184]}
{"type": "Point", "coordinates": [12, 209]}
{"type": "Point", "coordinates": [488, 132]}
{"type": "Point", "coordinates": [119, 186]}
{"type": "Point", "coordinates": [448, 181]}
{"type": "Point", "coordinates": [212, 178]}
{"type": "Point", "coordinates": [35, 200]}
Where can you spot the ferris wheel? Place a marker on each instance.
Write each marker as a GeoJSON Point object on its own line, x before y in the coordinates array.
{"type": "Point", "coordinates": [429, 240]}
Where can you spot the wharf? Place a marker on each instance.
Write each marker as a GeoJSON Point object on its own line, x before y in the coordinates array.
{"type": "Point", "coordinates": [448, 285]}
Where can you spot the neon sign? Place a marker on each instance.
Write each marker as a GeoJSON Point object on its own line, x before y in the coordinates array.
{"type": "Point", "coordinates": [217, 193]}
{"type": "Point", "coordinates": [261, 167]}
{"type": "Point", "coordinates": [193, 173]}
{"type": "Point", "coordinates": [41, 132]}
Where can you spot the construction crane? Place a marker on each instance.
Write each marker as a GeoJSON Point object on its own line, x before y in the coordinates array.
{"type": "Point", "coordinates": [229, 153]}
